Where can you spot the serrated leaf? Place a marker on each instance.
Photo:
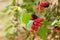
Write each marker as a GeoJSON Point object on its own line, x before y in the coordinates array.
{"type": "Point", "coordinates": [8, 27]}
{"type": "Point", "coordinates": [42, 32]}
{"type": "Point", "coordinates": [6, 9]}
{"type": "Point", "coordinates": [26, 17]}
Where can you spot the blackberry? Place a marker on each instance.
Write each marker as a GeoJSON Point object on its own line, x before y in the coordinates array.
{"type": "Point", "coordinates": [34, 16]}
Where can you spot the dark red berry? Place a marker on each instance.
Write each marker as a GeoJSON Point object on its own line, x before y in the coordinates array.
{"type": "Point", "coordinates": [33, 17]}
{"type": "Point", "coordinates": [42, 5]}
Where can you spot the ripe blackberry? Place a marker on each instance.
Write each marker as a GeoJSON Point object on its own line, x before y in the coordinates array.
{"type": "Point", "coordinates": [34, 16]}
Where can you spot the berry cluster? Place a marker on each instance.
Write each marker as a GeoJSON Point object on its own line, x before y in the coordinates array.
{"type": "Point", "coordinates": [36, 24]}
{"type": "Point", "coordinates": [42, 5]}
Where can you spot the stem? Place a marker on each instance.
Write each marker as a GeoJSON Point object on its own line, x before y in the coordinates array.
{"type": "Point", "coordinates": [16, 30]}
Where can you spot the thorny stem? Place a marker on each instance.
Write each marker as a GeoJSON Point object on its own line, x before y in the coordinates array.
{"type": "Point", "coordinates": [16, 30]}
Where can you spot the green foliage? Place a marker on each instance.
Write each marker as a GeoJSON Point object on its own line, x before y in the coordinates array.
{"type": "Point", "coordinates": [42, 0]}
{"type": "Point", "coordinates": [8, 27]}
{"type": "Point", "coordinates": [14, 2]}
{"type": "Point", "coordinates": [26, 0]}
{"type": "Point", "coordinates": [46, 23]}
{"type": "Point", "coordinates": [6, 9]}
{"type": "Point", "coordinates": [9, 35]}
{"type": "Point", "coordinates": [26, 18]}
{"type": "Point", "coordinates": [15, 8]}
{"type": "Point", "coordinates": [22, 33]}
{"type": "Point", "coordinates": [29, 0]}
{"type": "Point", "coordinates": [29, 5]}
{"type": "Point", "coordinates": [42, 32]}
{"type": "Point", "coordinates": [23, 5]}
{"type": "Point", "coordinates": [18, 11]}
{"type": "Point", "coordinates": [15, 15]}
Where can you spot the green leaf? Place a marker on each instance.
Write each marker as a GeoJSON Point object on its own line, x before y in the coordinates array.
{"type": "Point", "coordinates": [26, 18]}
{"type": "Point", "coordinates": [18, 13]}
{"type": "Point", "coordinates": [24, 5]}
{"type": "Point", "coordinates": [8, 35]}
{"type": "Point", "coordinates": [9, 27]}
{"type": "Point", "coordinates": [29, 0]}
{"type": "Point", "coordinates": [45, 22]}
{"type": "Point", "coordinates": [21, 33]}
{"type": "Point", "coordinates": [42, 0]}
{"type": "Point", "coordinates": [6, 9]}
{"type": "Point", "coordinates": [13, 2]}
{"type": "Point", "coordinates": [15, 8]}
{"type": "Point", "coordinates": [26, 0]}
{"type": "Point", "coordinates": [15, 15]}
{"type": "Point", "coordinates": [42, 32]}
